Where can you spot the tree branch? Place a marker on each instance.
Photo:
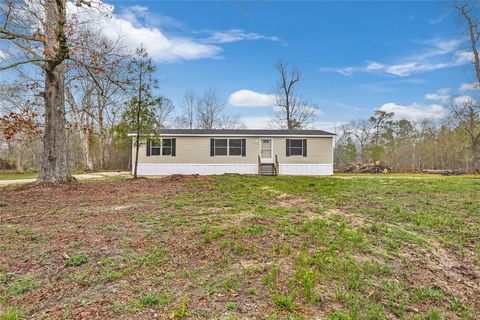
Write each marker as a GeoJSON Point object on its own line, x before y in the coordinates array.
{"type": "Point", "coordinates": [10, 35]}
{"type": "Point", "coordinates": [16, 64]}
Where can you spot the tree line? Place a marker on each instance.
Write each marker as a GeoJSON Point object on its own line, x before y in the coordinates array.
{"type": "Point", "coordinates": [409, 146]}
{"type": "Point", "coordinates": [75, 94]}
{"type": "Point", "coordinates": [453, 143]}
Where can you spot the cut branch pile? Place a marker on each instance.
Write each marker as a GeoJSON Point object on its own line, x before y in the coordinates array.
{"type": "Point", "coordinates": [448, 172]}
{"type": "Point", "coordinates": [376, 167]}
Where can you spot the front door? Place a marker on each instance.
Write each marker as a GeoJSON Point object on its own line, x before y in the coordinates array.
{"type": "Point", "coordinates": [266, 150]}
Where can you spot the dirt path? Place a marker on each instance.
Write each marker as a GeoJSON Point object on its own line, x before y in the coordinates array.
{"type": "Point", "coordinates": [83, 176]}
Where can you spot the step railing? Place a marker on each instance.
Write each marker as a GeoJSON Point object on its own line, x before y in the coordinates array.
{"type": "Point", "coordinates": [277, 166]}
{"type": "Point", "coordinates": [259, 166]}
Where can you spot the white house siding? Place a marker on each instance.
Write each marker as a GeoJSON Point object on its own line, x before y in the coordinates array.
{"type": "Point", "coordinates": [161, 169]}
{"type": "Point", "coordinates": [193, 157]}
{"type": "Point", "coordinates": [306, 169]}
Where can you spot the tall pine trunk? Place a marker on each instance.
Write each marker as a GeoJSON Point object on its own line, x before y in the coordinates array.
{"type": "Point", "coordinates": [54, 166]}
{"type": "Point", "coordinates": [137, 149]}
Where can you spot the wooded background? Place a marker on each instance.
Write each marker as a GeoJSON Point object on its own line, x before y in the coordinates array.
{"type": "Point", "coordinates": [73, 95]}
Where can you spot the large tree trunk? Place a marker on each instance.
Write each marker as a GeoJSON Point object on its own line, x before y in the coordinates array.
{"type": "Point", "coordinates": [54, 167]}
{"type": "Point", "coordinates": [54, 162]}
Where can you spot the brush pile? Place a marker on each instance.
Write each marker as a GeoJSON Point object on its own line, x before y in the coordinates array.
{"type": "Point", "coordinates": [449, 172]}
{"type": "Point", "coordinates": [377, 167]}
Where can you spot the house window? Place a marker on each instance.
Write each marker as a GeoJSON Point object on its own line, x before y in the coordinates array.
{"type": "Point", "coordinates": [155, 147]}
{"type": "Point", "coordinates": [228, 147]}
{"type": "Point", "coordinates": [297, 147]}
{"type": "Point", "coordinates": [166, 147]}
{"type": "Point", "coordinates": [235, 147]}
{"type": "Point", "coordinates": [221, 147]}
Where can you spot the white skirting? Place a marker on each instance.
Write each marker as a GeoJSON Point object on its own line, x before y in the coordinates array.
{"type": "Point", "coordinates": [164, 169]}
{"type": "Point", "coordinates": [306, 169]}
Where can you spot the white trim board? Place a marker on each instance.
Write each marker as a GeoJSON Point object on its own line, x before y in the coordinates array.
{"type": "Point", "coordinates": [164, 169]}
{"type": "Point", "coordinates": [272, 153]}
{"type": "Point", "coordinates": [306, 169]}
{"type": "Point", "coordinates": [231, 135]}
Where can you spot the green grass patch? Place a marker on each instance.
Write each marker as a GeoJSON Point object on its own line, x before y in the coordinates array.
{"type": "Point", "coordinates": [77, 260]}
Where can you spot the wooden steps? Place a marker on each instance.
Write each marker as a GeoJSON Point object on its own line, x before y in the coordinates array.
{"type": "Point", "coordinates": [268, 169]}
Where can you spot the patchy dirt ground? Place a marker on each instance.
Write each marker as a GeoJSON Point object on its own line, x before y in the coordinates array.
{"type": "Point", "coordinates": [239, 247]}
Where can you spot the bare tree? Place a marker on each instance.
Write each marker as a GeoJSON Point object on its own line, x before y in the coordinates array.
{"type": "Point", "coordinates": [468, 9]}
{"type": "Point", "coordinates": [467, 117]}
{"type": "Point", "coordinates": [361, 130]}
{"type": "Point", "coordinates": [109, 87]}
{"type": "Point", "coordinates": [82, 120]}
{"type": "Point", "coordinates": [27, 26]}
{"type": "Point", "coordinates": [105, 89]}
{"type": "Point", "coordinates": [294, 112]}
{"type": "Point", "coordinates": [210, 112]}
{"type": "Point", "coordinates": [163, 111]}
{"type": "Point", "coordinates": [187, 119]}
{"type": "Point", "coordinates": [467, 114]}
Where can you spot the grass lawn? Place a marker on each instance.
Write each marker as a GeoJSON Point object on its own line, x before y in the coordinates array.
{"type": "Point", "coordinates": [243, 247]}
{"type": "Point", "coordinates": [13, 175]}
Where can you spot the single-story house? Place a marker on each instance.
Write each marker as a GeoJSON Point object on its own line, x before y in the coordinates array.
{"type": "Point", "coordinates": [219, 151]}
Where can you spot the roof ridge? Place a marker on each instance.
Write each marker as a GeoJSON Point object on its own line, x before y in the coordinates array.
{"type": "Point", "coordinates": [247, 131]}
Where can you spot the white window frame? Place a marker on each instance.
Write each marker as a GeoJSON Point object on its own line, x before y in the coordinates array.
{"type": "Point", "coordinates": [271, 149]}
{"type": "Point", "coordinates": [215, 147]}
{"type": "Point", "coordinates": [171, 147]}
{"type": "Point", "coordinates": [228, 147]}
{"type": "Point", "coordinates": [161, 147]}
{"type": "Point", "coordinates": [152, 147]}
{"type": "Point", "coordinates": [290, 151]}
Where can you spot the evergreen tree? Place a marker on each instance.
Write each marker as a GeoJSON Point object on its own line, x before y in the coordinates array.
{"type": "Point", "coordinates": [139, 115]}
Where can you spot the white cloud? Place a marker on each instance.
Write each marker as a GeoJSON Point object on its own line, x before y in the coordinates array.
{"type": "Point", "coordinates": [437, 20]}
{"type": "Point", "coordinates": [436, 54]}
{"type": "Point", "coordinates": [441, 95]}
{"type": "Point", "coordinates": [3, 55]}
{"type": "Point", "coordinates": [249, 98]}
{"type": "Point", "coordinates": [160, 46]}
{"type": "Point", "coordinates": [464, 56]}
{"type": "Point", "coordinates": [137, 26]}
{"type": "Point", "coordinates": [347, 71]}
{"type": "Point", "coordinates": [415, 111]}
{"type": "Point", "coordinates": [234, 35]}
{"type": "Point", "coordinates": [468, 86]}
{"type": "Point", "coordinates": [462, 100]}
{"type": "Point", "coordinates": [141, 15]}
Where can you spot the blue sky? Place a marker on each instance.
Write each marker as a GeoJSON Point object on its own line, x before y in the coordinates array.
{"type": "Point", "coordinates": [356, 57]}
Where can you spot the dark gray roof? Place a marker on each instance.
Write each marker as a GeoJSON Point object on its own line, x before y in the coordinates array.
{"type": "Point", "coordinates": [261, 132]}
